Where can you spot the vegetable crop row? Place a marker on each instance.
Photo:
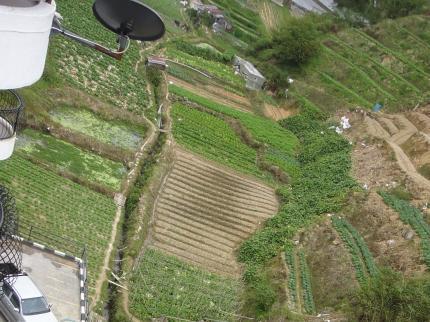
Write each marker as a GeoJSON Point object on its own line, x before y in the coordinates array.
{"type": "Point", "coordinates": [306, 284]}
{"type": "Point", "coordinates": [361, 257]}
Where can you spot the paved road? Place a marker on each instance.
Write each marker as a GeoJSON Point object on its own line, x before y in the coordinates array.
{"type": "Point", "coordinates": [58, 279]}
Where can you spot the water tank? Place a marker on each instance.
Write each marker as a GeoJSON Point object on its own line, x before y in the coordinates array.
{"type": "Point", "coordinates": [25, 27]}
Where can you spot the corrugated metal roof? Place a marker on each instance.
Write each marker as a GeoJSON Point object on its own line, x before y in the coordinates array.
{"type": "Point", "coordinates": [309, 5]}
{"type": "Point", "coordinates": [251, 69]}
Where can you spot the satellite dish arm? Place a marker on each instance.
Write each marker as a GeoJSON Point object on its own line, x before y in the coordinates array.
{"type": "Point", "coordinates": [123, 41]}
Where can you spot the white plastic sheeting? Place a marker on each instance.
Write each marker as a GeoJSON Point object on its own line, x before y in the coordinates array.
{"type": "Point", "coordinates": [24, 38]}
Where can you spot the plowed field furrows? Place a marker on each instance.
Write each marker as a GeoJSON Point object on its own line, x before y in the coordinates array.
{"type": "Point", "coordinates": [204, 212]}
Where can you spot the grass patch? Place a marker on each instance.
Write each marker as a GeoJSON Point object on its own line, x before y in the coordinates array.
{"type": "Point", "coordinates": [117, 133]}
{"type": "Point", "coordinates": [62, 156]}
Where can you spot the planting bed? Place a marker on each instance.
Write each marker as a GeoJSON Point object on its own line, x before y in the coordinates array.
{"type": "Point", "coordinates": [362, 259]}
{"type": "Point", "coordinates": [212, 138]}
{"type": "Point", "coordinates": [280, 143]}
{"type": "Point", "coordinates": [204, 212]}
{"type": "Point", "coordinates": [163, 286]}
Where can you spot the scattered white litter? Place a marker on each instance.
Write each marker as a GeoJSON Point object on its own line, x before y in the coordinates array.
{"type": "Point", "coordinates": [339, 130]}
{"type": "Point", "coordinates": [365, 186]}
{"type": "Point", "coordinates": [344, 122]}
{"type": "Point", "coordinates": [170, 82]}
{"type": "Point", "coordinates": [290, 80]}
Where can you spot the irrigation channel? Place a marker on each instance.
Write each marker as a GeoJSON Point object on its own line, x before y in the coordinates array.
{"type": "Point", "coordinates": [145, 160]}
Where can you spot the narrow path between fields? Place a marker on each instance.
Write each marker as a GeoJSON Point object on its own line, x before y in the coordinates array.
{"type": "Point", "coordinates": [405, 132]}
{"type": "Point", "coordinates": [120, 201]}
{"type": "Point", "coordinates": [169, 144]}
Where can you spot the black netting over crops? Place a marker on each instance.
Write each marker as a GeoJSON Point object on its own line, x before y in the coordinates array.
{"type": "Point", "coordinates": [10, 245]}
{"type": "Point", "coordinates": [11, 106]}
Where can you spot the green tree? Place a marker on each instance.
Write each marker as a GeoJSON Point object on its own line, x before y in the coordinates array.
{"type": "Point", "coordinates": [296, 42]}
{"type": "Point", "coordinates": [400, 8]}
{"type": "Point", "coordinates": [389, 297]}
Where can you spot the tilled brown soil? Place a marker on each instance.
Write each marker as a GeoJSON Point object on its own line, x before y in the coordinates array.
{"type": "Point", "coordinates": [204, 212]}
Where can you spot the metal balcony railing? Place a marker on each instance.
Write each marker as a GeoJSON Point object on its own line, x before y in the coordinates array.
{"type": "Point", "coordinates": [11, 106]}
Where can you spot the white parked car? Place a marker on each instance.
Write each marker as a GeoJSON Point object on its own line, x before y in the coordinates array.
{"type": "Point", "coordinates": [24, 302]}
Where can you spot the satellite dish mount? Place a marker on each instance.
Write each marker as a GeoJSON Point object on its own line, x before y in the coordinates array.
{"type": "Point", "coordinates": [129, 19]}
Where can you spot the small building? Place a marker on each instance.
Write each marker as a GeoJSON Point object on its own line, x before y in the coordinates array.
{"type": "Point", "coordinates": [254, 79]}
{"type": "Point", "coordinates": [157, 62]}
{"type": "Point", "coordinates": [220, 23]}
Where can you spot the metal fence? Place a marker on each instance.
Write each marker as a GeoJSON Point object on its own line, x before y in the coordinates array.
{"type": "Point", "coordinates": [11, 106]}
{"type": "Point", "coordinates": [31, 232]}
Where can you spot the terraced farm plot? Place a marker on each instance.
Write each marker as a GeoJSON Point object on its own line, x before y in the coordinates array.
{"type": "Point", "coordinates": [280, 143]}
{"type": "Point", "coordinates": [212, 138]}
{"type": "Point", "coordinates": [418, 26]}
{"type": "Point", "coordinates": [404, 66]}
{"type": "Point", "coordinates": [119, 134]}
{"type": "Point", "coordinates": [385, 63]}
{"type": "Point", "coordinates": [113, 81]}
{"type": "Point", "coordinates": [204, 212]}
{"type": "Point", "coordinates": [65, 157]}
{"type": "Point", "coordinates": [401, 134]}
{"type": "Point", "coordinates": [169, 11]}
{"type": "Point", "coordinates": [388, 34]}
{"type": "Point", "coordinates": [222, 72]}
{"type": "Point", "coordinates": [162, 285]}
{"type": "Point", "coordinates": [61, 208]}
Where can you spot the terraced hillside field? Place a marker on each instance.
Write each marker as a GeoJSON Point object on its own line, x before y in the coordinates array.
{"type": "Point", "coordinates": [386, 63]}
{"type": "Point", "coordinates": [204, 212]}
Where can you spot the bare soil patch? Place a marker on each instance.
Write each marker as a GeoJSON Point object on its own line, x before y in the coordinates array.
{"type": "Point", "coordinates": [277, 113]}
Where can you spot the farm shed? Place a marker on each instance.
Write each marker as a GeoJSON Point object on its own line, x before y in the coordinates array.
{"type": "Point", "coordinates": [254, 79]}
